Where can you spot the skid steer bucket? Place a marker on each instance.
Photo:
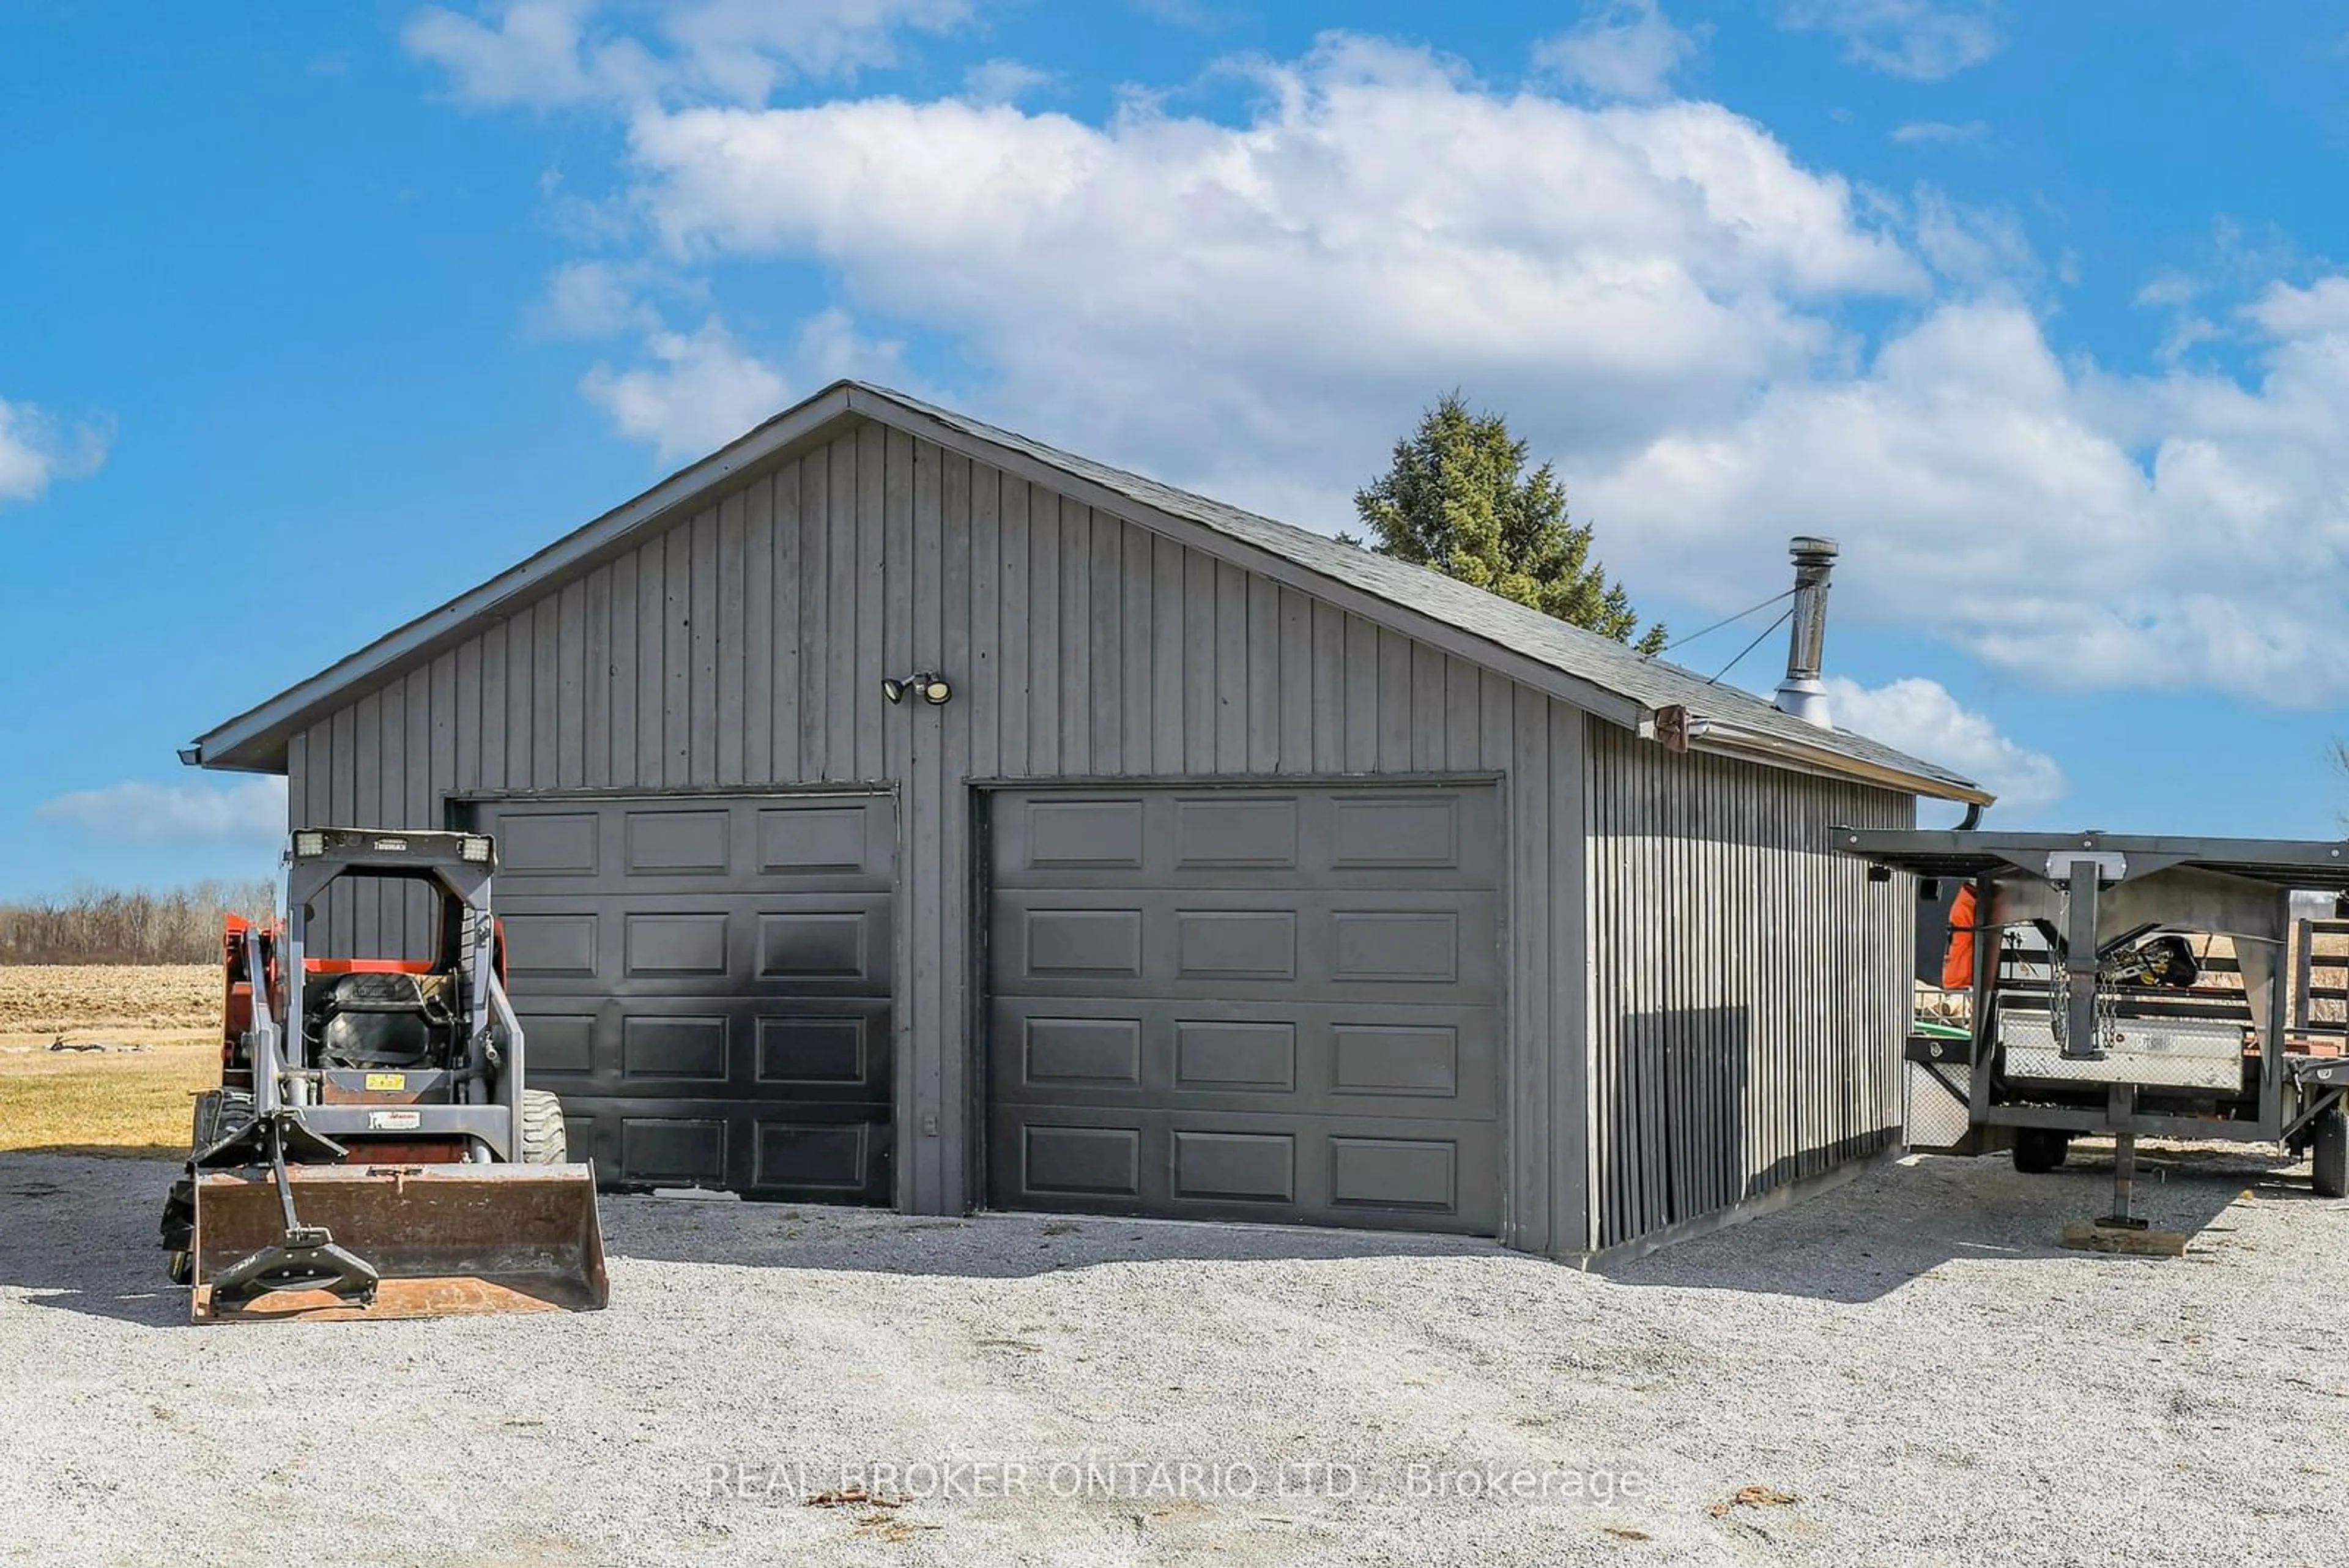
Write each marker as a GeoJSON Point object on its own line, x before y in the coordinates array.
{"type": "Point", "coordinates": [397, 1241]}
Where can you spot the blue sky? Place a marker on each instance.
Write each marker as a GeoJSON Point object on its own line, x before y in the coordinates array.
{"type": "Point", "coordinates": [311, 318]}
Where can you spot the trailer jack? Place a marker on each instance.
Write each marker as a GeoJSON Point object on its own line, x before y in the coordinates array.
{"type": "Point", "coordinates": [2120, 1231]}
{"type": "Point", "coordinates": [2124, 1185]}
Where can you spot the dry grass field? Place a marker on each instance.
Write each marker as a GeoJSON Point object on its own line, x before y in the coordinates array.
{"type": "Point", "coordinates": [116, 1101]}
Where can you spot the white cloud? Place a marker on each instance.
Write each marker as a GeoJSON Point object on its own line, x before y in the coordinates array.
{"type": "Point", "coordinates": [556, 52]}
{"type": "Point", "coordinates": [1984, 249]}
{"type": "Point", "coordinates": [1657, 295]}
{"type": "Point", "coordinates": [35, 449]}
{"type": "Point", "coordinates": [1939, 130]}
{"type": "Point", "coordinates": [249, 811]}
{"type": "Point", "coordinates": [1921, 717]}
{"type": "Point", "coordinates": [702, 391]}
{"type": "Point", "coordinates": [2320, 310]}
{"type": "Point", "coordinates": [1001, 81]}
{"type": "Point", "coordinates": [1381, 228]}
{"type": "Point", "coordinates": [704, 388]}
{"type": "Point", "coordinates": [1924, 40]}
{"type": "Point", "coordinates": [2080, 528]}
{"type": "Point", "coordinates": [1621, 48]}
{"type": "Point", "coordinates": [592, 299]}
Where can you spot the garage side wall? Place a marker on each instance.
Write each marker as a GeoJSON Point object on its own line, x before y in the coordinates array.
{"type": "Point", "coordinates": [1749, 988]}
{"type": "Point", "coordinates": [745, 647]}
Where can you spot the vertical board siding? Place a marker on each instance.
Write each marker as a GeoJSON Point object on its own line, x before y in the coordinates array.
{"type": "Point", "coordinates": [745, 645]}
{"type": "Point", "coordinates": [1748, 987]}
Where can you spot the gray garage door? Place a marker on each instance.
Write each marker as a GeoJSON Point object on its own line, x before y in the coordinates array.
{"type": "Point", "coordinates": [1272, 1004]}
{"type": "Point", "coordinates": [706, 983]}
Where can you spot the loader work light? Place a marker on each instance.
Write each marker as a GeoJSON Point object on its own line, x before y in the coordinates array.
{"type": "Point", "coordinates": [308, 845]}
{"type": "Point", "coordinates": [475, 850]}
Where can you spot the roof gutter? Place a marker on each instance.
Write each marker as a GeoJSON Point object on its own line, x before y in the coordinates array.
{"type": "Point", "coordinates": [1679, 730]}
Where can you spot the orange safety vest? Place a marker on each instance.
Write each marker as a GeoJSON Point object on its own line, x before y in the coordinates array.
{"type": "Point", "coordinates": [1958, 962]}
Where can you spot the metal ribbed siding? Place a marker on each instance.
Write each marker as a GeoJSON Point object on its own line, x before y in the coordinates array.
{"type": "Point", "coordinates": [1750, 989]}
{"type": "Point", "coordinates": [745, 645]}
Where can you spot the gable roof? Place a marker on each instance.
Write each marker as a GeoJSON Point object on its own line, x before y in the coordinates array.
{"type": "Point", "coordinates": [1592, 672]}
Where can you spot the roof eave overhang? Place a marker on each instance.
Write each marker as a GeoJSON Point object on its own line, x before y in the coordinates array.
{"type": "Point", "coordinates": [1725, 738]}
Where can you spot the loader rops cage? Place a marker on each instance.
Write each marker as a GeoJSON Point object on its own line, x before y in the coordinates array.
{"type": "Point", "coordinates": [373, 1149]}
{"type": "Point", "coordinates": [2100, 1007]}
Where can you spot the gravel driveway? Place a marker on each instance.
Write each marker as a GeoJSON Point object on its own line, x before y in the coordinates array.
{"type": "Point", "coordinates": [1907, 1363]}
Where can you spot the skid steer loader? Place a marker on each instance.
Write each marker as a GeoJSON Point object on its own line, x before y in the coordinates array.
{"type": "Point", "coordinates": [373, 1150]}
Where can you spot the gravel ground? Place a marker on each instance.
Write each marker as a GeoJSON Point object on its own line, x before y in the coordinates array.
{"type": "Point", "coordinates": [1908, 1362]}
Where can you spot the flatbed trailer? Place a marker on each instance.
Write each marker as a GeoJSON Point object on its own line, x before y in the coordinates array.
{"type": "Point", "coordinates": [2089, 1015]}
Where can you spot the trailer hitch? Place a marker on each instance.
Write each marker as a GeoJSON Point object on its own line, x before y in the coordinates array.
{"type": "Point", "coordinates": [307, 1258]}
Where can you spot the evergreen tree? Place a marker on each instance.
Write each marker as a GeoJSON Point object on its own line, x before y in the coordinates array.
{"type": "Point", "coordinates": [1458, 499]}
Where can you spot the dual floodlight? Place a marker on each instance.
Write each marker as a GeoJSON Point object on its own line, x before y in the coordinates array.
{"type": "Point", "coordinates": [927, 684]}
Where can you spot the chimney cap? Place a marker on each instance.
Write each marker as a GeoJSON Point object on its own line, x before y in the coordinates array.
{"type": "Point", "coordinates": [1809, 546]}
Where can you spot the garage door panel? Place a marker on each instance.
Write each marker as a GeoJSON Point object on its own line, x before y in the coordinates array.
{"type": "Point", "coordinates": [1234, 944]}
{"type": "Point", "coordinates": [803, 1156]}
{"type": "Point", "coordinates": [690, 1046]}
{"type": "Point", "coordinates": [1243, 1056]}
{"type": "Point", "coordinates": [1076, 1053]}
{"type": "Point", "coordinates": [1376, 1059]}
{"type": "Point", "coordinates": [804, 946]}
{"type": "Point", "coordinates": [558, 1042]}
{"type": "Point", "coordinates": [1252, 837]}
{"type": "Point", "coordinates": [831, 1049]}
{"type": "Point", "coordinates": [831, 1154]}
{"type": "Point", "coordinates": [1285, 1170]}
{"type": "Point", "coordinates": [551, 945]}
{"type": "Point", "coordinates": [706, 982]}
{"type": "Point", "coordinates": [684, 1152]}
{"type": "Point", "coordinates": [1231, 833]}
{"type": "Point", "coordinates": [1404, 946]}
{"type": "Point", "coordinates": [678, 841]}
{"type": "Point", "coordinates": [1383, 947]}
{"type": "Point", "coordinates": [1086, 946]}
{"type": "Point", "coordinates": [539, 846]}
{"type": "Point", "coordinates": [1232, 1166]}
{"type": "Point", "coordinates": [672, 946]}
{"type": "Point", "coordinates": [1085, 1163]}
{"type": "Point", "coordinates": [827, 1046]}
{"type": "Point", "coordinates": [1269, 1003]}
{"type": "Point", "coordinates": [1419, 1174]}
{"type": "Point", "coordinates": [805, 842]}
{"type": "Point", "coordinates": [642, 943]}
{"type": "Point", "coordinates": [1401, 1061]}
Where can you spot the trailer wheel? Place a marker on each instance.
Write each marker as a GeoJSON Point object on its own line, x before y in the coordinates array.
{"type": "Point", "coordinates": [2328, 1155]}
{"type": "Point", "coordinates": [2038, 1151]}
{"type": "Point", "coordinates": [545, 1140]}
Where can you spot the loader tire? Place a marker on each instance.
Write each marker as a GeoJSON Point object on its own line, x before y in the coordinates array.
{"type": "Point", "coordinates": [2328, 1155]}
{"type": "Point", "coordinates": [179, 1229]}
{"type": "Point", "coordinates": [543, 1139]}
{"type": "Point", "coordinates": [207, 1117]}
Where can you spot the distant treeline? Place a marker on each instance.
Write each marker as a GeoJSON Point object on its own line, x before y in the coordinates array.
{"type": "Point", "coordinates": [111, 925]}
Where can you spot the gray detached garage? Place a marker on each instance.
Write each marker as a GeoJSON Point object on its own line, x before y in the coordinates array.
{"type": "Point", "coordinates": [1191, 865]}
